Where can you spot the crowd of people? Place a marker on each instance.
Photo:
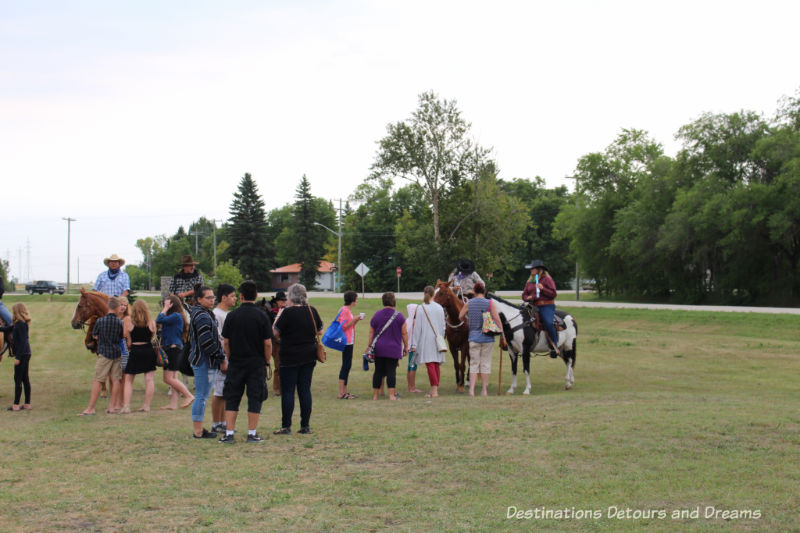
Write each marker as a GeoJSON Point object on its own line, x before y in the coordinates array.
{"type": "Point", "coordinates": [231, 349]}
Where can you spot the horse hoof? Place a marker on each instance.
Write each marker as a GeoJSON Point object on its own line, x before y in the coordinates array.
{"type": "Point", "coordinates": [510, 391]}
{"type": "Point", "coordinates": [568, 387]}
{"type": "Point", "coordinates": [526, 392]}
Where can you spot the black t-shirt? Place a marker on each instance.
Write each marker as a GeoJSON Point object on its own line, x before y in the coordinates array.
{"type": "Point", "coordinates": [298, 335]}
{"type": "Point", "coordinates": [246, 329]}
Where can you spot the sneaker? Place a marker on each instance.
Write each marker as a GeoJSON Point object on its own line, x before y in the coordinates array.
{"type": "Point", "coordinates": [306, 430]}
{"type": "Point", "coordinates": [282, 431]}
{"type": "Point", "coordinates": [221, 427]}
{"type": "Point", "coordinates": [226, 439]}
{"type": "Point", "coordinates": [206, 435]}
{"type": "Point", "coordinates": [254, 438]}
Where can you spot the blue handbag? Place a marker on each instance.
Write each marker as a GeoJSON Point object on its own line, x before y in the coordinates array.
{"type": "Point", "coordinates": [334, 337]}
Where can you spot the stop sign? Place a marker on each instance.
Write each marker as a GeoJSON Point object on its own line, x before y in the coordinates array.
{"type": "Point", "coordinates": [399, 271]}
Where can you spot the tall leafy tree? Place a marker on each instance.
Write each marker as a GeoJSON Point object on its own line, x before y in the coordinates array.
{"type": "Point", "coordinates": [431, 149]}
{"type": "Point", "coordinates": [247, 231]}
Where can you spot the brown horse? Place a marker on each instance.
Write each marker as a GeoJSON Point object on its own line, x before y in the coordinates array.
{"type": "Point", "coordinates": [457, 331]}
{"type": "Point", "coordinates": [91, 306]}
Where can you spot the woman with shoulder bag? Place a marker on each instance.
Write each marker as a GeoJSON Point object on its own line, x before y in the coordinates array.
{"type": "Point", "coordinates": [481, 345]}
{"type": "Point", "coordinates": [388, 341]}
{"type": "Point", "coordinates": [427, 337]}
{"type": "Point", "coordinates": [297, 327]}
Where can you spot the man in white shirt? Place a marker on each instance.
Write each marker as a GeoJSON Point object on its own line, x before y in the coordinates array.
{"type": "Point", "coordinates": [226, 299]}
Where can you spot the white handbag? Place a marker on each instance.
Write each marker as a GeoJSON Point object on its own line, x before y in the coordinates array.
{"type": "Point", "coordinates": [441, 344]}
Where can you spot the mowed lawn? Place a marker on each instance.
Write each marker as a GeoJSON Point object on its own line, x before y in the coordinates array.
{"type": "Point", "coordinates": [671, 411]}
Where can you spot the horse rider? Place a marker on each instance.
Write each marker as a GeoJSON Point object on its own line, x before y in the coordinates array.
{"type": "Point", "coordinates": [540, 291]}
{"type": "Point", "coordinates": [184, 282]}
{"type": "Point", "coordinates": [464, 278]}
{"type": "Point", "coordinates": [113, 282]}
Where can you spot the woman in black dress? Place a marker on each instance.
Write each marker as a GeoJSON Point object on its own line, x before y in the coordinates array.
{"type": "Point", "coordinates": [142, 359]}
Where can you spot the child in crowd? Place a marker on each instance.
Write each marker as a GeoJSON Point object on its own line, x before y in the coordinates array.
{"type": "Point", "coordinates": [20, 322]}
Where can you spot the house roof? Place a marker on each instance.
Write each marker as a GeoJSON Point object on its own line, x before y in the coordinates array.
{"type": "Point", "coordinates": [294, 268]}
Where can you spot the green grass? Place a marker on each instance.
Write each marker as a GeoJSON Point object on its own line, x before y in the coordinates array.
{"type": "Point", "coordinates": [670, 410]}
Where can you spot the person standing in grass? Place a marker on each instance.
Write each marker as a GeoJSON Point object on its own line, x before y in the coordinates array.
{"type": "Point", "coordinates": [349, 323]}
{"type": "Point", "coordinates": [247, 334]}
{"type": "Point", "coordinates": [388, 326]}
{"type": "Point", "coordinates": [480, 344]}
{"type": "Point", "coordinates": [206, 353]}
{"type": "Point", "coordinates": [428, 324]}
{"type": "Point", "coordinates": [174, 330]}
{"type": "Point", "coordinates": [108, 333]}
{"type": "Point", "coordinates": [226, 299]}
{"type": "Point", "coordinates": [18, 326]}
{"type": "Point", "coordinates": [142, 359]}
{"type": "Point", "coordinates": [296, 327]}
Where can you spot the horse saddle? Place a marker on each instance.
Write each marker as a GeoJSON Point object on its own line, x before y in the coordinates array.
{"type": "Point", "coordinates": [558, 318]}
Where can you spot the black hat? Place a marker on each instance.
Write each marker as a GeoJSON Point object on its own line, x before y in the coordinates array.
{"type": "Point", "coordinates": [465, 266]}
{"type": "Point", "coordinates": [280, 296]}
{"type": "Point", "coordinates": [536, 263]}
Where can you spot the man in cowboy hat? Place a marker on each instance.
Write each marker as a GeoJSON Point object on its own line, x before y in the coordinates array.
{"type": "Point", "coordinates": [184, 282]}
{"type": "Point", "coordinates": [113, 282]}
{"type": "Point", "coordinates": [464, 277]}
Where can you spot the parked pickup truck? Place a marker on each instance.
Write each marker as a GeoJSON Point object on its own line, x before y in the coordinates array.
{"type": "Point", "coordinates": [41, 287]}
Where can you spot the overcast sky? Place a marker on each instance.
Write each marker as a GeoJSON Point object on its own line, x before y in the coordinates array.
{"type": "Point", "coordinates": [137, 117]}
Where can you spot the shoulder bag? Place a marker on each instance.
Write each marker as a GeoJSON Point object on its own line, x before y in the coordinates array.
{"type": "Point", "coordinates": [489, 326]}
{"type": "Point", "coordinates": [370, 355]}
{"type": "Point", "coordinates": [335, 337]}
{"type": "Point", "coordinates": [441, 344]}
{"type": "Point", "coordinates": [321, 355]}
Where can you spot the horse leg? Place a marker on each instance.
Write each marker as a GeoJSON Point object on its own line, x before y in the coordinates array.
{"type": "Point", "coordinates": [526, 366]}
{"type": "Point", "coordinates": [514, 357]}
{"type": "Point", "coordinates": [569, 360]}
{"type": "Point", "coordinates": [458, 369]}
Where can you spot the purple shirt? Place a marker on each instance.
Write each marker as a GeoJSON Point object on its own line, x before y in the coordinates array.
{"type": "Point", "coordinates": [390, 344]}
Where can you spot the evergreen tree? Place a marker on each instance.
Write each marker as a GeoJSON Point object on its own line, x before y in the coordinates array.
{"type": "Point", "coordinates": [247, 233]}
{"type": "Point", "coordinates": [309, 238]}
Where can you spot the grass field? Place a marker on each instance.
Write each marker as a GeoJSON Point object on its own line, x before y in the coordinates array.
{"type": "Point", "coordinates": [671, 411]}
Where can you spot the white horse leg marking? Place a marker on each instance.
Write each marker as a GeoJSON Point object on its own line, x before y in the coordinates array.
{"type": "Point", "coordinates": [570, 379]}
{"type": "Point", "coordinates": [513, 384]}
{"type": "Point", "coordinates": [527, 390]}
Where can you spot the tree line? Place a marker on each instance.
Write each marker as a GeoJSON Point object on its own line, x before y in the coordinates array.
{"type": "Point", "coordinates": [717, 222]}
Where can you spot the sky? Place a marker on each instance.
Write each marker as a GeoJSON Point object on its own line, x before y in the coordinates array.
{"type": "Point", "coordinates": [136, 117]}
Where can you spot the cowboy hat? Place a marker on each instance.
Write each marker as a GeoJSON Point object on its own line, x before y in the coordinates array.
{"type": "Point", "coordinates": [113, 257]}
{"type": "Point", "coordinates": [536, 263]}
{"type": "Point", "coordinates": [465, 266]}
{"type": "Point", "coordinates": [188, 260]}
{"type": "Point", "coordinates": [280, 296]}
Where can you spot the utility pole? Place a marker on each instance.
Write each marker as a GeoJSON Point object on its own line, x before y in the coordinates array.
{"type": "Point", "coordinates": [28, 256]}
{"type": "Point", "coordinates": [196, 241]}
{"type": "Point", "coordinates": [214, 221]}
{"type": "Point", "coordinates": [69, 226]}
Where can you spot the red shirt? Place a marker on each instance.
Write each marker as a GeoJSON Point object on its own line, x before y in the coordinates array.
{"type": "Point", "coordinates": [547, 292]}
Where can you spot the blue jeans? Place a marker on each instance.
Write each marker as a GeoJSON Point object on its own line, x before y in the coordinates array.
{"type": "Point", "coordinates": [548, 313]}
{"type": "Point", "coordinates": [296, 377]}
{"type": "Point", "coordinates": [4, 314]}
{"type": "Point", "coordinates": [202, 387]}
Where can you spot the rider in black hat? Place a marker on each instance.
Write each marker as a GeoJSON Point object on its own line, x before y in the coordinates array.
{"type": "Point", "coordinates": [542, 293]}
{"type": "Point", "coordinates": [464, 277]}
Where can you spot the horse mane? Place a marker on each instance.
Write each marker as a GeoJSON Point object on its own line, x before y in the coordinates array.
{"type": "Point", "coordinates": [503, 300]}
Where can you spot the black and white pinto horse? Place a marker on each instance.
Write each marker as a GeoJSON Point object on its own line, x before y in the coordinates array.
{"type": "Point", "coordinates": [523, 338]}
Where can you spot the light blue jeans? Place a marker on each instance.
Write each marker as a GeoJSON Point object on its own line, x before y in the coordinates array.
{"type": "Point", "coordinates": [202, 387]}
{"type": "Point", "coordinates": [4, 313]}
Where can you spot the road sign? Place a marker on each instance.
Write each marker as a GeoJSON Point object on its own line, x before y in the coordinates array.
{"type": "Point", "coordinates": [399, 271]}
{"type": "Point", "coordinates": [362, 269]}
